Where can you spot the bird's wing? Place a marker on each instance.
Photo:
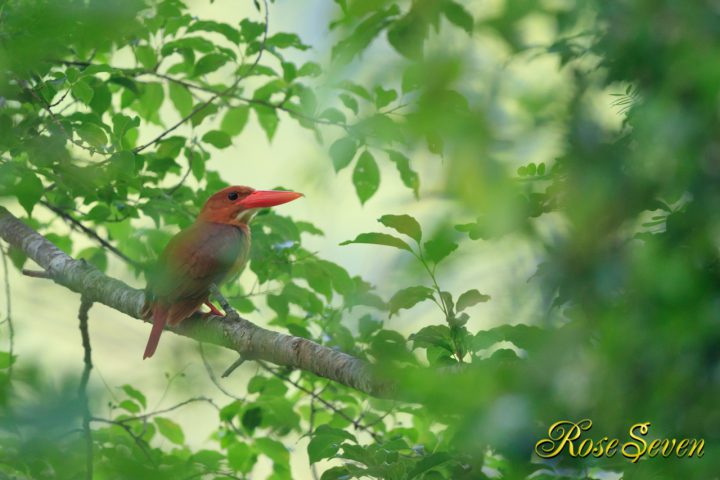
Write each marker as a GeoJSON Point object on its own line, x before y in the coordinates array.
{"type": "Point", "coordinates": [194, 259]}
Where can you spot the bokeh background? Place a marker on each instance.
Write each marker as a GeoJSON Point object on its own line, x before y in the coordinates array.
{"type": "Point", "coordinates": [609, 251]}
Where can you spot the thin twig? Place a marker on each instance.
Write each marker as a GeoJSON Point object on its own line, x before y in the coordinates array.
{"type": "Point", "coordinates": [233, 367]}
{"type": "Point", "coordinates": [142, 444]}
{"type": "Point", "coordinates": [174, 188]}
{"type": "Point", "coordinates": [36, 273]}
{"type": "Point", "coordinates": [54, 118]}
{"type": "Point", "coordinates": [250, 101]}
{"type": "Point", "coordinates": [217, 95]}
{"type": "Point", "coordinates": [212, 376]}
{"type": "Point", "coordinates": [85, 306]}
{"type": "Point", "coordinates": [311, 428]}
{"type": "Point", "coordinates": [358, 425]}
{"type": "Point", "coordinates": [8, 313]}
{"type": "Point", "coordinates": [145, 416]}
{"type": "Point", "coordinates": [77, 225]}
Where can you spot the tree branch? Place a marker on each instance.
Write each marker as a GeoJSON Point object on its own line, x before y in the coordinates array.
{"type": "Point", "coordinates": [85, 306]}
{"type": "Point", "coordinates": [232, 332]}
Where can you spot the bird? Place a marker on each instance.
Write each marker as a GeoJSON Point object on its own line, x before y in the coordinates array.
{"type": "Point", "coordinates": [213, 249]}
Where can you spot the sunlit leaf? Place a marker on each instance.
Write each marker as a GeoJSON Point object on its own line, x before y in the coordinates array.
{"type": "Point", "coordinates": [82, 91]}
{"type": "Point", "coordinates": [209, 63]}
{"type": "Point", "coordinates": [92, 134]}
{"type": "Point", "coordinates": [409, 177]}
{"type": "Point", "coordinates": [438, 248]}
{"type": "Point", "coordinates": [268, 119]}
{"type": "Point", "coordinates": [408, 298]}
{"type": "Point", "coordinates": [403, 224]}
{"type": "Point", "coordinates": [136, 394]}
{"type": "Point", "coordinates": [181, 98]}
{"type": "Point", "coordinates": [342, 152]}
{"type": "Point", "coordinates": [470, 298]}
{"type": "Point", "coordinates": [217, 138]}
{"type": "Point", "coordinates": [379, 239]}
{"type": "Point", "coordinates": [366, 177]}
{"type": "Point", "coordinates": [384, 97]}
{"type": "Point", "coordinates": [170, 430]}
{"type": "Point", "coordinates": [457, 14]}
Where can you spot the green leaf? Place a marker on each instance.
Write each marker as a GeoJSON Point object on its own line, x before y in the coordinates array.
{"type": "Point", "coordinates": [384, 97]}
{"type": "Point", "coordinates": [310, 69]}
{"type": "Point", "coordinates": [404, 224]}
{"type": "Point", "coordinates": [350, 102]}
{"type": "Point", "coordinates": [29, 190]}
{"type": "Point", "coordinates": [434, 335]}
{"type": "Point", "coordinates": [99, 213]}
{"type": "Point", "coordinates": [438, 248]}
{"type": "Point", "coordinates": [286, 40]}
{"type": "Point", "coordinates": [325, 442]}
{"type": "Point", "coordinates": [122, 123]}
{"type": "Point", "coordinates": [428, 462]}
{"type": "Point", "coordinates": [122, 164]}
{"type": "Point", "coordinates": [409, 177]}
{"type": "Point", "coordinates": [136, 394]}
{"type": "Point", "coordinates": [217, 138]}
{"type": "Point", "coordinates": [250, 30]}
{"type": "Point", "coordinates": [457, 14]}
{"type": "Point", "coordinates": [72, 74]}
{"type": "Point", "coordinates": [268, 119]}
{"type": "Point", "coordinates": [6, 360]}
{"type": "Point", "coordinates": [224, 29]}
{"type": "Point", "coordinates": [92, 134]}
{"type": "Point", "coordinates": [342, 152]}
{"type": "Point", "coordinates": [366, 177]}
{"type": "Point", "coordinates": [379, 239]}
{"type": "Point", "coordinates": [102, 98]}
{"type": "Point", "coordinates": [151, 101]}
{"type": "Point", "coordinates": [170, 430]}
{"type": "Point", "coordinates": [367, 324]}
{"type": "Point", "coordinates": [407, 36]}
{"type": "Point", "coordinates": [83, 91]}
{"type": "Point", "coordinates": [356, 89]}
{"type": "Point", "coordinates": [240, 457]}
{"type": "Point", "coordinates": [252, 418]}
{"type": "Point", "coordinates": [201, 115]}
{"type": "Point", "coordinates": [409, 297]}
{"type": "Point", "coordinates": [146, 56]}
{"type": "Point", "coordinates": [333, 115]}
{"type": "Point", "coordinates": [181, 98]}
{"type": "Point", "coordinates": [130, 406]}
{"type": "Point", "coordinates": [235, 120]}
{"type": "Point", "coordinates": [470, 298]}
{"type": "Point", "coordinates": [208, 458]}
{"type": "Point", "coordinates": [209, 63]}
{"type": "Point", "coordinates": [273, 449]}
{"type": "Point", "coordinates": [272, 87]}
{"type": "Point", "coordinates": [195, 43]}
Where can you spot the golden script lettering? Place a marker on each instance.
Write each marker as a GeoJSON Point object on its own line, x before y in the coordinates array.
{"type": "Point", "coordinates": [565, 436]}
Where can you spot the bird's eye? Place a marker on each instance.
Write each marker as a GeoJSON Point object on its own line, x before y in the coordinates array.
{"type": "Point", "coordinates": [232, 196]}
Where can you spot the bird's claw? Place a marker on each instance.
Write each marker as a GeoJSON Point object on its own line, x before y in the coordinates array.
{"type": "Point", "coordinates": [213, 310]}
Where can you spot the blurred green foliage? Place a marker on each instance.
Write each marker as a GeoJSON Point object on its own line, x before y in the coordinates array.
{"type": "Point", "coordinates": [628, 331]}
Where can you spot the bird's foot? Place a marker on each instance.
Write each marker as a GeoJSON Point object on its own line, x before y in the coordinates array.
{"type": "Point", "coordinates": [213, 310]}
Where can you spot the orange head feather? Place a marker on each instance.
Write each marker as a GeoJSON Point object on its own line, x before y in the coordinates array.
{"type": "Point", "coordinates": [236, 205]}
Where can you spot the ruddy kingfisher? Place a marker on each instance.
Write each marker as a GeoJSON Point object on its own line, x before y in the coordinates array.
{"type": "Point", "coordinates": [208, 252]}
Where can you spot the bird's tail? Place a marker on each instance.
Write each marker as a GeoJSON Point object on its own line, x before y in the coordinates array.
{"type": "Point", "coordinates": [159, 315]}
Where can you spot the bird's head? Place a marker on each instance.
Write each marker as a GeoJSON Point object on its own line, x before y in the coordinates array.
{"type": "Point", "coordinates": [237, 205]}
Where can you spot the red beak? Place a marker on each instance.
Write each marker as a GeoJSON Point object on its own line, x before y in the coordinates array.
{"type": "Point", "coordinates": [268, 198]}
